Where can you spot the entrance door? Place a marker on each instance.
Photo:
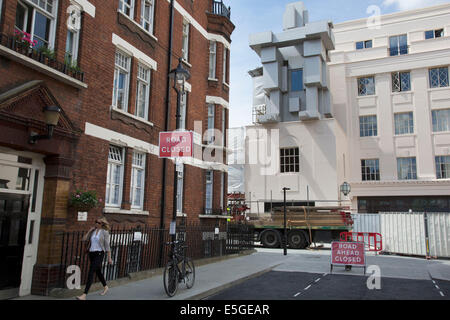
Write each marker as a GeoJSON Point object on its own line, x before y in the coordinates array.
{"type": "Point", "coordinates": [21, 190]}
{"type": "Point", "coordinates": [13, 226]}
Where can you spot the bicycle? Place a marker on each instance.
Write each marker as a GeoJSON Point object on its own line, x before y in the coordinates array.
{"type": "Point", "coordinates": [179, 268]}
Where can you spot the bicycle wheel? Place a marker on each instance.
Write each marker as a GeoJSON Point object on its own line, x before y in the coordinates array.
{"type": "Point", "coordinates": [189, 277]}
{"type": "Point", "coordinates": [171, 279]}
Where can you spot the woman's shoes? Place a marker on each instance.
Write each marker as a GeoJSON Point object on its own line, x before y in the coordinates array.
{"type": "Point", "coordinates": [105, 290]}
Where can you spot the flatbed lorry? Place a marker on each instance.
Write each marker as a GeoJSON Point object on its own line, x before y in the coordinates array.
{"type": "Point", "coordinates": [304, 226]}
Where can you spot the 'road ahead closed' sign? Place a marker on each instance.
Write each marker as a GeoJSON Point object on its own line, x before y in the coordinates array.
{"type": "Point", "coordinates": [348, 253]}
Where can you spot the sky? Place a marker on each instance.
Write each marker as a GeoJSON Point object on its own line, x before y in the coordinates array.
{"type": "Point", "coordinates": [253, 16]}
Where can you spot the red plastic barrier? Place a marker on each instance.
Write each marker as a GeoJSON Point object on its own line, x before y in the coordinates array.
{"type": "Point", "coordinates": [372, 240]}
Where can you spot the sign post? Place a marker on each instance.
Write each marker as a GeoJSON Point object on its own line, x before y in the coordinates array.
{"type": "Point", "coordinates": [348, 254]}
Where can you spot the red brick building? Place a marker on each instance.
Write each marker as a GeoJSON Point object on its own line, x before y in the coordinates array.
{"type": "Point", "coordinates": [105, 64]}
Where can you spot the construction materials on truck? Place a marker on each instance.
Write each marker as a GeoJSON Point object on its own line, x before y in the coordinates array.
{"type": "Point", "coordinates": [305, 225]}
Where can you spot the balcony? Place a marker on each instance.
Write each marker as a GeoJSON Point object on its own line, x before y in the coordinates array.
{"type": "Point", "coordinates": [15, 50]}
{"type": "Point", "coordinates": [220, 9]}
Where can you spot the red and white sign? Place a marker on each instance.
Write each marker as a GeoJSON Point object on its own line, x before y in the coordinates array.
{"type": "Point", "coordinates": [176, 144]}
{"type": "Point", "coordinates": [348, 253]}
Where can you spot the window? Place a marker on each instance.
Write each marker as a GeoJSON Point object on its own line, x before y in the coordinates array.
{"type": "Point", "coordinates": [127, 7]}
{"type": "Point", "coordinates": [224, 114]}
{"type": "Point", "coordinates": [370, 170]}
{"type": "Point", "coordinates": [121, 81]}
{"type": "Point", "coordinates": [209, 191]}
{"type": "Point", "coordinates": [185, 42]}
{"type": "Point", "coordinates": [366, 86]}
{"type": "Point", "coordinates": [443, 167]}
{"type": "Point", "coordinates": [398, 45]}
{"type": "Point", "coordinates": [296, 80]}
{"type": "Point", "coordinates": [147, 15]}
{"type": "Point", "coordinates": [406, 168]}
{"type": "Point", "coordinates": [363, 44]}
{"type": "Point", "coordinates": [114, 177]}
{"type": "Point", "coordinates": [431, 34]}
{"type": "Point", "coordinates": [180, 187]}
{"type": "Point", "coordinates": [183, 106]}
{"type": "Point", "coordinates": [438, 77]}
{"type": "Point", "coordinates": [404, 123]}
{"type": "Point", "coordinates": [441, 120]}
{"type": "Point", "coordinates": [142, 92]}
{"type": "Point", "coordinates": [210, 134]}
{"type": "Point", "coordinates": [71, 54]}
{"type": "Point", "coordinates": [225, 65]}
{"type": "Point", "coordinates": [212, 59]}
{"type": "Point", "coordinates": [401, 81]}
{"type": "Point", "coordinates": [137, 180]}
{"type": "Point", "coordinates": [368, 126]}
{"type": "Point", "coordinates": [289, 160]}
{"type": "Point", "coordinates": [38, 18]}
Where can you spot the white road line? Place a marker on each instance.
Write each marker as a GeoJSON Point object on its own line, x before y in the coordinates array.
{"type": "Point", "coordinates": [433, 281]}
{"type": "Point", "coordinates": [437, 287]}
{"type": "Point", "coordinates": [317, 280]}
{"type": "Point", "coordinates": [297, 294]}
{"type": "Point", "coordinates": [441, 293]}
{"type": "Point", "coordinates": [307, 287]}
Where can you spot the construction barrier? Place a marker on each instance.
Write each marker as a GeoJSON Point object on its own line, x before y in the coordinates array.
{"type": "Point", "coordinates": [372, 240]}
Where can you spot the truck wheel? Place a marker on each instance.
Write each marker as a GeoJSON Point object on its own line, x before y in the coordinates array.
{"type": "Point", "coordinates": [297, 240]}
{"type": "Point", "coordinates": [270, 239]}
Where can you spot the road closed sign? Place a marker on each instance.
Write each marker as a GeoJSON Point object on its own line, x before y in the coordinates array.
{"type": "Point", "coordinates": [175, 144]}
{"type": "Point", "coordinates": [348, 253]}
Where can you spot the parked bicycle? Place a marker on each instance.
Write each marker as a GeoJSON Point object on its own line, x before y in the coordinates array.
{"type": "Point", "coordinates": [178, 269]}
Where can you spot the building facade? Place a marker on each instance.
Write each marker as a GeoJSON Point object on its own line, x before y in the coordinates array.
{"type": "Point", "coordinates": [105, 65]}
{"type": "Point", "coordinates": [292, 143]}
{"type": "Point", "coordinates": [391, 101]}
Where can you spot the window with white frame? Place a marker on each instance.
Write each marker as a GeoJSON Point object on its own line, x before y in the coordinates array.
{"type": "Point", "coordinates": [147, 14]}
{"type": "Point", "coordinates": [222, 189]}
{"type": "Point", "coordinates": [180, 187]}
{"type": "Point", "coordinates": [142, 92]}
{"type": "Point", "coordinates": [366, 86]}
{"type": "Point", "coordinates": [38, 18]}
{"type": "Point", "coordinates": [121, 81]}
{"type": "Point", "coordinates": [212, 59]}
{"type": "Point", "coordinates": [209, 191]}
{"type": "Point", "coordinates": [185, 41]}
{"type": "Point", "coordinates": [289, 160]}
{"type": "Point", "coordinates": [368, 126]}
{"type": "Point", "coordinates": [438, 77]}
{"type": "Point", "coordinates": [432, 34]}
{"type": "Point", "coordinates": [114, 177]}
{"type": "Point", "coordinates": [137, 180]}
{"type": "Point", "coordinates": [401, 81]}
{"type": "Point", "coordinates": [223, 126]}
{"type": "Point", "coordinates": [441, 120]}
{"type": "Point", "coordinates": [406, 168]}
{"type": "Point", "coordinates": [398, 45]}
{"type": "Point", "coordinates": [363, 44]}
{"type": "Point", "coordinates": [225, 65]}
{"type": "Point", "coordinates": [370, 170]}
{"type": "Point", "coordinates": [183, 107]}
{"type": "Point", "coordinates": [442, 167]}
{"type": "Point", "coordinates": [404, 123]}
{"type": "Point", "coordinates": [72, 41]}
{"type": "Point", "coordinates": [127, 7]}
{"type": "Point", "coordinates": [210, 132]}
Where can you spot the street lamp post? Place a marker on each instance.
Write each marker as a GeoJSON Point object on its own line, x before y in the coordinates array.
{"type": "Point", "coordinates": [179, 76]}
{"type": "Point", "coordinates": [285, 231]}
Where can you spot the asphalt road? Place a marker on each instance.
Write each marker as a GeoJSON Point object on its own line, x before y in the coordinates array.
{"type": "Point", "coordinates": [278, 285]}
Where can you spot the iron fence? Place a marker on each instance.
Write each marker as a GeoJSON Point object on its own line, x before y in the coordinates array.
{"type": "Point", "coordinates": [140, 249]}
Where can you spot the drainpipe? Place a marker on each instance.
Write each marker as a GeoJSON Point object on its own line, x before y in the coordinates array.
{"type": "Point", "coordinates": [166, 128]}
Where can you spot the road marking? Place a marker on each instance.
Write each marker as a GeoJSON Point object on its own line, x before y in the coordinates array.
{"type": "Point", "coordinates": [441, 293]}
{"type": "Point", "coordinates": [307, 287]}
{"type": "Point", "coordinates": [317, 280]}
{"type": "Point", "coordinates": [436, 287]}
{"type": "Point", "coordinates": [297, 294]}
{"type": "Point", "coordinates": [433, 281]}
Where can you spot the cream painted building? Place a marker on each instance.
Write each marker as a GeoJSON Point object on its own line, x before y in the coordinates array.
{"type": "Point", "coordinates": [371, 107]}
{"type": "Point", "coordinates": [390, 92]}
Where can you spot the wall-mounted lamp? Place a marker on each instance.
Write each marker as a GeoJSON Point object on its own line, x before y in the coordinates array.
{"type": "Point", "coordinates": [52, 114]}
{"type": "Point", "coordinates": [345, 188]}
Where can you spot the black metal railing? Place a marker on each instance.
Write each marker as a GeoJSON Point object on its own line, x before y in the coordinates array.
{"type": "Point", "coordinates": [140, 249]}
{"type": "Point", "coordinates": [12, 43]}
{"type": "Point", "coordinates": [220, 9]}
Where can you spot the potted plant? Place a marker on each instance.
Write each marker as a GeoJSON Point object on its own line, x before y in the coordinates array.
{"type": "Point", "coordinates": [83, 201]}
{"type": "Point", "coordinates": [46, 54]}
{"type": "Point", "coordinates": [72, 67]}
{"type": "Point", "coordinates": [23, 41]}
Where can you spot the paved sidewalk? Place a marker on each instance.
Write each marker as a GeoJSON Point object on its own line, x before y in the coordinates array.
{"type": "Point", "coordinates": [214, 277]}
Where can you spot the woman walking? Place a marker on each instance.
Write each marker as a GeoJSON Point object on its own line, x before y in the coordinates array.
{"type": "Point", "coordinates": [98, 238]}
